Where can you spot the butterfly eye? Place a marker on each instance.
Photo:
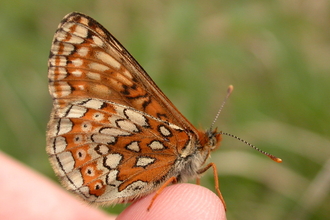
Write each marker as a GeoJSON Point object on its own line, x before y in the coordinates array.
{"type": "Point", "coordinates": [214, 140]}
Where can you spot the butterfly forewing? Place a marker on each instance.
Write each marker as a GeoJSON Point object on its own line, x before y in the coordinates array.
{"type": "Point", "coordinates": [87, 61]}
{"type": "Point", "coordinates": [113, 135]}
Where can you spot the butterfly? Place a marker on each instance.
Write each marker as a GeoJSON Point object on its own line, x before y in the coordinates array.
{"type": "Point", "coordinates": [113, 136]}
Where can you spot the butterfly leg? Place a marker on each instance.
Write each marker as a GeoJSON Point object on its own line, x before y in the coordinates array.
{"type": "Point", "coordinates": [198, 181]}
{"type": "Point", "coordinates": [158, 192]}
{"type": "Point", "coordinates": [216, 180]}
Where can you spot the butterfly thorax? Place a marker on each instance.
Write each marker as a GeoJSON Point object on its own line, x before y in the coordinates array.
{"type": "Point", "coordinates": [195, 154]}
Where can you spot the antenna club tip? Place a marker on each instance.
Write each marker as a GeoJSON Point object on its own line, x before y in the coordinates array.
{"type": "Point", "coordinates": [276, 159]}
{"type": "Point", "coordinates": [230, 88]}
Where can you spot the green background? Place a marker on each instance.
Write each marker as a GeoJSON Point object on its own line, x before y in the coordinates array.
{"type": "Point", "coordinates": [275, 53]}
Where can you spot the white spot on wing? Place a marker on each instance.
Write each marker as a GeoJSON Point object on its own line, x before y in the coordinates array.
{"type": "Point", "coordinates": [61, 48]}
{"type": "Point", "coordinates": [76, 112]}
{"type": "Point", "coordinates": [76, 73]}
{"type": "Point", "coordinates": [67, 49]}
{"type": "Point", "coordinates": [61, 35]}
{"type": "Point", "coordinates": [84, 190]}
{"type": "Point", "coordinates": [127, 74]}
{"type": "Point", "coordinates": [136, 117]}
{"type": "Point", "coordinates": [59, 145]}
{"type": "Point", "coordinates": [61, 73]}
{"type": "Point", "coordinates": [94, 76]}
{"type": "Point", "coordinates": [94, 104]}
{"type": "Point", "coordinates": [97, 41]}
{"type": "Point", "coordinates": [112, 178]}
{"type": "Point", "coordinates": [81, 31]}
{"type": "Point", "coordinates": [52, 90]}
{"type": "Point", "coordinates": [75, 40]}
{"type": "Point", "coordinates": [144, 161]}
{"type": "Point", "coordinates": [51, 73]}
{"type": "Point", "coordinates": [55, 47]}
{"type": "Point", "coordinates": [77, 62]}
{"type": "Point", "coordinates": [107, 59]}
{"type": "Point", "coordinates": [84, 21]}
{"type": "Point", "coordinates": [123, 79]}
{"type": "Point", "coordinates": [120, 110]}
{"type": "Point", "coordinates": [114, 132]}
{"type": "Point", "coordinates": [76, 177]}
{"type": "Point", "coordinates": [67, 26]}
{"type": "Point", "coordinates": [127, 125]}
{"type": "Point", "coordinates": [133, 146]}
{"type": "Point", "coordinates": [113, 160]}
{"type": "Point", "coordinates": [164, 131]}
{"type": "Point", "coordinates": [102, 149]}
{"type": "Point", "coordinates": [156, 145]}
{"type": "Point", "coordinates": [58, 61]}
{"type": "Point", "coordinates": [82, 51]}
{"type": "Point", "coordinates": [98, 66]}
{"type": "Point", "coordinates": [64, 126]}
{"type": "Point", "coordinates": [187, 151]}
{"type": "Point", "coordinates": [61, 61]}
{"type": "Point", "coordinates": [66, 161]}
{"type": "Point", "coordinates": [62, 89]}
{"type": "Point", "coordinates": [103, 139]}
{"type": "Point", "coordinates": [175, 127]}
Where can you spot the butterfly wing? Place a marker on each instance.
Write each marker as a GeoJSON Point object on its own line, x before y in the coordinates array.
{"type": "Point", "coordinates": [113, 135]}
{"type": "Point", "coordinates": [87, 61]}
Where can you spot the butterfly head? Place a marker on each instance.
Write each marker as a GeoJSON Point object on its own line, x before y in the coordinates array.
{"type": "Point", "coordinates": [210, 140]}
{"type": "Point", "coordinates": [214, 139]}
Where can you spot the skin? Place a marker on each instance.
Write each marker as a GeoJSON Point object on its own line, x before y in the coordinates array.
{"type": "Point", "coordinates": [26, 194]}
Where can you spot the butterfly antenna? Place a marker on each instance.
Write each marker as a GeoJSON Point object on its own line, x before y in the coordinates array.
{"type": "Point", "coordinates": [229, 91]}
{"type": "Point", "coordinates": [276, 159]}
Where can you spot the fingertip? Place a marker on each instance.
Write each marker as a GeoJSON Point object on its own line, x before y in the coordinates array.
{"type": "Point", "coordinates": [36, 197]}
{"type": "Point", "coordinates": [179, 201]}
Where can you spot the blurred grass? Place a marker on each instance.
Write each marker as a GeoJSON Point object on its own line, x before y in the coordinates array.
{"type": "Point", "coordinates": [275, 53]}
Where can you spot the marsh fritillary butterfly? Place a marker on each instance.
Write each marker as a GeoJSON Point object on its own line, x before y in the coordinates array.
{"type": "Point", "coordinates": [113, 135]}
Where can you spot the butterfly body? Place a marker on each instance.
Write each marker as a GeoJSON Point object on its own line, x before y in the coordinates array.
{"type": "Point", "coordinates": [113, 135]}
